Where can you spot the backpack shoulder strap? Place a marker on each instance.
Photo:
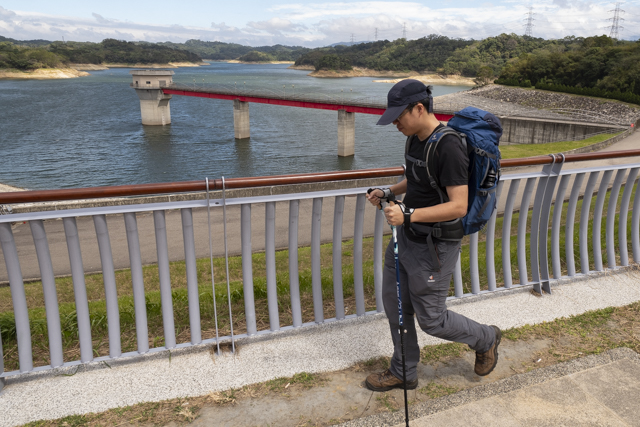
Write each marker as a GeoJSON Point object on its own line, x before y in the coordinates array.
{"type": "Point", "coordinates": [429, 158]}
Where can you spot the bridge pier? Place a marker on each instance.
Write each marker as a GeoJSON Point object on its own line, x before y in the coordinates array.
{"type": "Point", "coordinates": [154, 104]}
{"type": "Point", "coordinates": [241, 119]}
{"type": "Point", "coordinates": [346, 133]}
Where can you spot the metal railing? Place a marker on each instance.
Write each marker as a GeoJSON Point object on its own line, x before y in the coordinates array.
{"type": "Point", "coordinates": [551, 196]}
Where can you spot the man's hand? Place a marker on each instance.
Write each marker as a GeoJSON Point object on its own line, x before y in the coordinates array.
{"type": "Point", "coordinates": [394, 214]}
{"type": "Point", "coordinates": [374, 196]}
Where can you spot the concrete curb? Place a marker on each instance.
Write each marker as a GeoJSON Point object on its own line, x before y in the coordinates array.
{"type": "Point", "coordinates": [506, 385]}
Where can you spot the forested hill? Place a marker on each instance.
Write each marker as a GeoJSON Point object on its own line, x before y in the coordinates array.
{"type": "Point", "coordinates": [109, 51]}
{"type": "Point", "coordinates": [427, 53]}
{"type": "Point", "coordinates": [598, 66]}
{"type": "Point", "coordinates": [220, 51]}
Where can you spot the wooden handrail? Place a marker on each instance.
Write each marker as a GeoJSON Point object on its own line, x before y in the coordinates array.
{"type": "Point", "coordinates": [266, 181]}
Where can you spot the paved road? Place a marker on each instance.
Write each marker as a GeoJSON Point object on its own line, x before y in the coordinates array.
{"type": "Point", "coordinates": [90, 253]}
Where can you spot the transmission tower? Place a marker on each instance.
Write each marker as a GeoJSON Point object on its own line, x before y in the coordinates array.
{"type": "Point", "coordinates": [615, 22]}
{"type": "Point", "coordinates": [375, 37]}
{"type": "Point", "coordinates": [528, 28]}
{"type": "Point", "coordinates": [404, 31]}
{"type": "Point", "coordinates": [353, 39]}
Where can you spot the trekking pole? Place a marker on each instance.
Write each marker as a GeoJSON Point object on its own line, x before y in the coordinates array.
{"type": "Point", "coordinates": [401, 331]}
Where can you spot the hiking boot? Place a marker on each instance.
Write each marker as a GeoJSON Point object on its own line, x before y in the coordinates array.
{"type": "Point", "coordinates": [485, 362]}
{"type": "Point", "coordinates": [383, 381]}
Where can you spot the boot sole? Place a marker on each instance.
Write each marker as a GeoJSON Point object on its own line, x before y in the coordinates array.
{"type": "Point", "coordinates": [410, 386]}
{"type": "Point", "coordinates": [495, 349]}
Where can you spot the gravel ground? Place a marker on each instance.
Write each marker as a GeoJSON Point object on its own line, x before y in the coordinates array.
{"type": "Point", "coordinates": [513, 101]}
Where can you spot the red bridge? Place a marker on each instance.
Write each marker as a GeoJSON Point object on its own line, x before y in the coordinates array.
{"type": "Point", "coordinates": [155, 88]}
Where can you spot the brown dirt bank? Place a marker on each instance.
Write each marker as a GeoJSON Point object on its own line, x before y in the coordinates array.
{"type": "Point", "coordinates": [235, 61]}
{"type": "Point", "coordinates": [42, 73]}
{"type": "Point", "coordinates": [88, 67]}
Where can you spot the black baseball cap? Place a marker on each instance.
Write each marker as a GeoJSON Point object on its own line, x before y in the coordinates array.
{"type": "Point", "coordinates": [400, 96]}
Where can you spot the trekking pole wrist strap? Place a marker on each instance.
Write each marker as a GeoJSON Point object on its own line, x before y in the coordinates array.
{"type": "Point", "coordinates": [406, 211]}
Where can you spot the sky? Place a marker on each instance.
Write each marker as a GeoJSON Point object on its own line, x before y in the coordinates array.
{"type": "Point", "coordinates": [308, 23]}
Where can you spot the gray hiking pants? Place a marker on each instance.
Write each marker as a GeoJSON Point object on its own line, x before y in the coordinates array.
{"type": "Point", "coordinates": [424, 292]}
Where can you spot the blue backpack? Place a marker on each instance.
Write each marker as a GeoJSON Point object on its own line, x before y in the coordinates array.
{"type": "Point", "coordinates": [481, 132]}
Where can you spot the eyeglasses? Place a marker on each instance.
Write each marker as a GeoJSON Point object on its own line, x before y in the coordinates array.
{"type": "Point", "coordinates": [402, 114]}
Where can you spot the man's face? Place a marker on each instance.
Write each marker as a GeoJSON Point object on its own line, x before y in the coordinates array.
{"type": "Point", "coordinates": [407, 121]}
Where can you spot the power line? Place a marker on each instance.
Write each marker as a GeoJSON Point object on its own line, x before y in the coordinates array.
{"type": "Point", "coordinates": [615, 22]}
{"type": "Point", "coordinates": [528, 29]}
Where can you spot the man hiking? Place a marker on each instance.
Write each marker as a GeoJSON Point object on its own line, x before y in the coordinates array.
{"type": "Point", "coordinates": [426, 262]}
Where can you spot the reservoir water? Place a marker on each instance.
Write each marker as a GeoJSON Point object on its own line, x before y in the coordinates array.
{"type": "Point", "coordinates": [86, 132]}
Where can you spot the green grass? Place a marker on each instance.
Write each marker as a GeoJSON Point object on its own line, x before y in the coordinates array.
{"type": "Point", "coordinates": [529, 150]}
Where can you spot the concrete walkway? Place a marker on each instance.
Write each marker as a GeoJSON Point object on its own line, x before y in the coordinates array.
{"type": "Point", "coordinates": [597, 390]}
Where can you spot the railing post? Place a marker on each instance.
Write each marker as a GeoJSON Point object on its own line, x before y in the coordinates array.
{"type": "Point", "coordinates": [543, 230]}
{"type": "Point", "coordinates": [137, 282]}
{"type": "Point", "coordinates": [247, 269]}
{"type": "Point", "coordinates": [294, 277]}
{"type": "Point", "coordinates": [555, 226]}
{"type": "Point", "coordinates": [49, 291]}
{"type": "Point", "coordinates": [18, 297]}
{"type": "Point", "coordinates": [584, 222]}
{"type": "Point", "coordinates": [473, 263]}
{"type": "Point", "coordinates": [79, 289]}
{"type": "Point", "coordinates": [358, 282]}
{"type": "Point", "coordinates": [506, 233]}
{"type": "Point", "coordinates": [571, 215]}
{"type": "Point", "coordinates": [611, 218]}
{"type": "Point", "coordinates": [109, 278]}
{"type": "Point", "coordinates": [596, 230]}
{"type": "Point", "coordinates": [316, 272]}
{"type": "Point", "coordinates": [270, 264]}
{"type": "Point", "coordinates": [538, 227]}
{"type": "Point", "coordinates": [164, 274]}
{"type": "Point", "coordinates": [635, 226]}
{"type": "Point", "coordinates": [624, 209]}
{"type": "Point", "coordinates": [378, 255]}
{"type": "Point", "coordinates": [522, 230]}
{"type": "Point", "coordinates": [193, 294]}
{"type": "Point", "coordinates": [489, 243]}
{"type": "Point", "coordinates": [338, 296]}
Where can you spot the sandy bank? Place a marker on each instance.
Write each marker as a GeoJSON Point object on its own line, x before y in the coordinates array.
{"type": "Point", "coordinates": [435, 79]}
{"type": "Point", "coordinates": [43, 73]}
{"type": "Point", "coordinates": [168, 65]}
{"type": "Point", "coordinates": [7, 188]}
{"type": "Point", "coordinates": [393, 76]}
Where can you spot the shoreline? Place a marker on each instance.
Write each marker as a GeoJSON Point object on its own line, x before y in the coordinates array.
{"type": "Point", "coordinates": [391, 76]}
{"type": "Point", "coordinates": [42, 74]}
{"type": "Point", "coordinates": [4, 188]}
{"type": "Point", "coordinates": [80, 70]}
{"type": "Point", "coordinates": [235, 61]}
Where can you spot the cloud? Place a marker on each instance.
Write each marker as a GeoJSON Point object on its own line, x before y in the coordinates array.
{"type": "Point", "coordinates": [100, 19]}
{"type": "Point", "coordinates": [275, 25]}
{"type": "Point", "coordinates": [321, 24]}
{"type": "Point", "coordinates": [6, 15]}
